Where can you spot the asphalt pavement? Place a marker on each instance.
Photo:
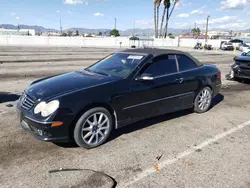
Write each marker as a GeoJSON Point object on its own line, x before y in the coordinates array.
{"type": "Point", "coordinates": [180, 149]}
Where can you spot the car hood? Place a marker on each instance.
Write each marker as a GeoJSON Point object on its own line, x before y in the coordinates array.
{"type": "Point", "coordinates": [69, 82]}
{"type": "Point", "coordinates": [242, 58]}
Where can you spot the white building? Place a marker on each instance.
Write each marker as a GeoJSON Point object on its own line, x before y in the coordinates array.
{"type": "Point", "coordinates": [31, 32]}
{"type": "Point", "coordinates": [213, 34]}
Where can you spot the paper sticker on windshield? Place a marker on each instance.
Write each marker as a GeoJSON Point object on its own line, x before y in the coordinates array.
{"type": "Point", "coordinates": [135, 57]}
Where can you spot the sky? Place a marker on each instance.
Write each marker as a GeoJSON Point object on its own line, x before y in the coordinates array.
{"type": "Point", "coordinates": [94, 14]}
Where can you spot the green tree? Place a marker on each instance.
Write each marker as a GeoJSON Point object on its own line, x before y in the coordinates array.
{"type": "Point", "coordinates": [169, 13]}
{"type": "Point", "coordinates": [196, 31]}
{"type": "Point", "coordinates": [100, 33]}
{"type": "Point", "coordinates": [166, 6]}
{"type": "Point", "coordinates": [77, 33]}
{"type": "Point", "coordinates": [170, 35]}
{"type": "Point", "coordinates": [157, 4]}
{"type": "Point", "coordinates": [115, 33]}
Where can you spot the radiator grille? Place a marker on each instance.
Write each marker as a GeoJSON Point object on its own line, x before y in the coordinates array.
{"type": "Point", "coordinates": [26, 102]}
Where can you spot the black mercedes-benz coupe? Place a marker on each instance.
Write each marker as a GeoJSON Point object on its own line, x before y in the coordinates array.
{"type": "Point", "coordinates": [241, 67]}
{"type": "Point", "coordinates": [122, 88]}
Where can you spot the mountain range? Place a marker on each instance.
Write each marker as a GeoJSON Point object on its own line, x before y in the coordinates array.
{"type": "Point", "coordinates": [136, 31]}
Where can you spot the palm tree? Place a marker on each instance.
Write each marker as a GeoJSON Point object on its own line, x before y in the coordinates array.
{"type": "Point", "coordinates": [169, 15]}
{"type": "Point", "coordinates": [166, 7]}
{"type": "Point", "coordinates": [157, 4]}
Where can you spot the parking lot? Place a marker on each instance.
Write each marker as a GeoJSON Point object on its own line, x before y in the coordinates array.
{"type": "Point", "coordinates": [180, 149]}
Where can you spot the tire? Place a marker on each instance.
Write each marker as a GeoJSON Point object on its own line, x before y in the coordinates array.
{"type": "Point", "coordinates": [94, 134]}
{"type": "Point", "coordinates": [202, 98]}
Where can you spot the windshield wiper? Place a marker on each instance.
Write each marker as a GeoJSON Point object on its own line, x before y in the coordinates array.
{"type": "Point", "coordinates": [98, 72]}
{"type": "Point", "coordinates": [102, 73]}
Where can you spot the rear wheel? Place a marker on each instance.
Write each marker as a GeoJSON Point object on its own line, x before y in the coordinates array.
{"type": "Point", "coordinates": [93, 128]}
{"type": "Point", "coordinates": [203, 100]}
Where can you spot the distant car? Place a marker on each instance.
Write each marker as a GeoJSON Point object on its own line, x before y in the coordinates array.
{"type": "Point", "coordinates": [236, 43]}
{"type": "Point", "coordinates": [246, 49]}
{"type": "Point", "coordinates": [245, 54]}
{"type": "Point", "coordinates": [227, 46]}
{"type": "Point", "coordinates": [241, 46]}
{"type": "Point", "coordinates": [241, 67]}
{"type": "Point", "coordinates": [120, 89]}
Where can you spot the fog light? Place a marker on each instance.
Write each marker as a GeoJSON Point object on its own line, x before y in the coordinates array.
{"type": "Point", "coordinates": [42, 133]}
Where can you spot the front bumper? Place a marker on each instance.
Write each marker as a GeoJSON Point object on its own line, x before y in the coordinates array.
{"type": "Point", "coordinates": [240, 73]}
{"type": "Point", "coordinates": [43, 130]}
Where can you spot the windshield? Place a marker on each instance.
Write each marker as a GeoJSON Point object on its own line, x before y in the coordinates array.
{"type": "Point", "coordinates": [118, 64]}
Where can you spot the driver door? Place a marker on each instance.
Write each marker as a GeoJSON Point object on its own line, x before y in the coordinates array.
{"type": "Point", "coordinates": [153, 97]}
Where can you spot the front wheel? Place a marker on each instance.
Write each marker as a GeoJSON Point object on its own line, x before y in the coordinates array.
{"type": "Point", "coordinates": [93, 128]}
{"type": "Point", "coordinates": [203, 100]}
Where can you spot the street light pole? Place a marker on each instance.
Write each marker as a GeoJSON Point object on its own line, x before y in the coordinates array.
{"type": "Point", "coordinates": [134, 29]}
{"type": "Point", "coordinates": [115, 23]}
{"type": "Point", "coordinates": [207, 27]}
{"type": "Point", "coordinates": [60, 25]}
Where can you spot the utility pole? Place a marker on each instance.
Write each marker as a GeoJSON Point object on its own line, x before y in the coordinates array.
{"type": "Point", "coordinates": [195, 25]}
{"type": "Point", "coordinates": [60, 25]}
{"type": "Point", "coordinates": [134, 29]}
{"type": "Point", "coordinates": [207, 27]}
{"type": "Point", "coordinates": [115, 23]}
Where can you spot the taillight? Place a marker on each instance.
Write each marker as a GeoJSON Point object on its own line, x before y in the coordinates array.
{"type": "Point", "coordinates": [219, 75]}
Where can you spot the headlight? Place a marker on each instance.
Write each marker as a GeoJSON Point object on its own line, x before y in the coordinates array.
{"type": "Point", "coordinates": [46, 109]}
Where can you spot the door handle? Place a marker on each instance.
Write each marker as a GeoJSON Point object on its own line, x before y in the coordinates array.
{"type": "Point", "coordinates": [180, 80]}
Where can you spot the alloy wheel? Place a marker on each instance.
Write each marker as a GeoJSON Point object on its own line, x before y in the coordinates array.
{"type": "Point", "coordinates": [204, 99]}
{"type": "Point", "coordinates": [95, 128]}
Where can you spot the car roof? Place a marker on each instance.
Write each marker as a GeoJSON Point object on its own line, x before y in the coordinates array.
{"type": "Point", "coordinates": [155, 52]}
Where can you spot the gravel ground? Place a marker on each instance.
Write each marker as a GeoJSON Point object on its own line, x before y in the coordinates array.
{"type": "Point", "coordinates": [197, 150]}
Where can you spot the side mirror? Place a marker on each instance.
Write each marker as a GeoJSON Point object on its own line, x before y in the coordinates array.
{"type": "Point", "coordinates": [243, 54]}
{"type": "Point", "coordinates": [145, 77]}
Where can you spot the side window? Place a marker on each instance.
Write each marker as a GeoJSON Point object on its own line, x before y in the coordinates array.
{"type": "Point", "coordinates": [162, 66]}
{"type": "Point", "coordinates": [185, 63]}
